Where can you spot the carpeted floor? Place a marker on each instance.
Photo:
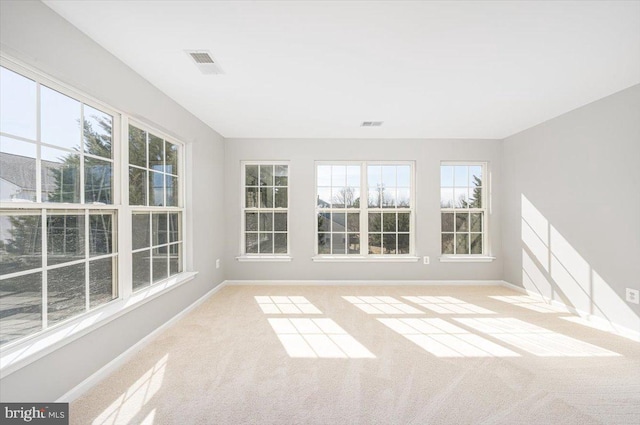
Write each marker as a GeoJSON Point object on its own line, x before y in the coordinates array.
{"type": "Point", "coordinates": [373, 355]}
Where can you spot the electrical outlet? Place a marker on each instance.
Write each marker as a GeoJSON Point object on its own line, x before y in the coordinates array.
{"type": "Point", "coordinates": [218, 263]}
{"type": "Point", "coordinates": [425, 260]}
{"type": "Point", "coordinates": [633, 296]}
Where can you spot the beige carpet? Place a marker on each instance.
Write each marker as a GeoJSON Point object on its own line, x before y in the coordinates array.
{"type": "Point", "coordinates": [368, 355]}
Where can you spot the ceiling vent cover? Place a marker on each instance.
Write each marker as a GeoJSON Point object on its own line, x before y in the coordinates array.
{"type": "Point", "coordinates": [371, 123]}
{"type": "Point", "coordinates": [204, 61]}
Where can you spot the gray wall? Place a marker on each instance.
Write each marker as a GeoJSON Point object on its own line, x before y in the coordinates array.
{"type": "Point", "coordinates": [571, 207]}
{"type": "Point", "coordinates": [302, 153]}
{"type": "Point", "coordinates": [34, 34]}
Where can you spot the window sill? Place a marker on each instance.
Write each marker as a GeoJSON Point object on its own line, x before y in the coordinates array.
{"type": "Point", "coordinates": [265, 258]}
{"type": "Point", "coordinates": [362, 259]}
{"type": "Point", "coordinates": [466, 259]}
{"type": "Point", "coordinates": [23, 353]}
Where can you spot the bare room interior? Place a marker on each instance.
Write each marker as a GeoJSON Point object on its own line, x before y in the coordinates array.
{"type": "Point", "coordinates": [320, 212]}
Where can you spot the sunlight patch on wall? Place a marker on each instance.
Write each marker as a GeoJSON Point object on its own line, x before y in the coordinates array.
{"type": "Point", "coordinates": [448, 305]}
{"type": "Point", "coordinates": [534, 339]}
{"type": "Point", "coordinates": [317, 338]}
{"type": "Point", "coordinates": [534, 278]}
{"type": "Point", "coordinates": [531, 303]}
{"type": "Point", "coordinates": [129, 404]}
{"type": "Point", "coordinates": [286, 305]}
{"type": "Point", "coordinates": [443, 339]}
{"type": "Point", "coordinates": [382, 305]}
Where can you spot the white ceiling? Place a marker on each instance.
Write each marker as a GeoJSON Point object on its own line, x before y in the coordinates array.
{"type": "Point", "coordinates": [427, 69]}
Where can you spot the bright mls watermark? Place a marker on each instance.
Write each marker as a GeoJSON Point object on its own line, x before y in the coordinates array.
{"type": "Point", "coordinates": [35, 413]}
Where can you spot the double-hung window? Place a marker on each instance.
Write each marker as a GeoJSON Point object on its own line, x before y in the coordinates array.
{"type": "Point", "coordinates": [58, 218]}
{"type": "Point", "coordinates": [463, 204]}
{"type": "Point", "coordinates": [265, 214]}
{"type": "Point", "coordinates": [364, 209]}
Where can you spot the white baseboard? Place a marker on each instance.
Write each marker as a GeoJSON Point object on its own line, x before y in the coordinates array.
{"type": "Point", "coordinates": [365, 282]}
{"type": "Point", "coordinates": [114, 364]}
{"type": "Point", "coordinates": [596, 321]}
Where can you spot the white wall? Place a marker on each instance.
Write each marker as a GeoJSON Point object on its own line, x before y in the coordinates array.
{"type": "Point", "coordinates": [37, 36]}
{"type": "Point", "coordinates": [571, 216]}
{"type": "Point", "coordinates": [302, 154]}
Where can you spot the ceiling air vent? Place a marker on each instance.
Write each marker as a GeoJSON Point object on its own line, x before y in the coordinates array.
{"type": "Point", "coordinates": [204, 61]}
{"type": "Point", "coordinates": [371, 123]}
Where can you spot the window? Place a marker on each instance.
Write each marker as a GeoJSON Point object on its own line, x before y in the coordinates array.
{"type": "Point", "coordinates": [58, 255]}
{"type": "Point", "coordinates": [463, 208]}
{"type": "Point", "coordinates": [379, 226]}
{"type": "Point", "coordinates": [265, 208]}
{"type": "Point", "coordinates": [156, 217]}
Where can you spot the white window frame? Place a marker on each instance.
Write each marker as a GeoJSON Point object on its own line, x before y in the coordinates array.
{"type": "Point", "coordinates": [486, 210]}
{"type": "Point", "coordinates": [20, 352]}
{"type": "Point", "coordinates": [268, 257]}
{"type": "Point", "coordinates": [363, 210]}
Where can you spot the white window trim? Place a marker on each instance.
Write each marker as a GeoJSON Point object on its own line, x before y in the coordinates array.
{"type": "Point", "coordinates": [486, 238]}
{"type": "Point", "coordinates": [268, 257]}
{"type": "Point", "coordinates": [23, 351]}
{"type": "Point", "coordinates": [364, 256]}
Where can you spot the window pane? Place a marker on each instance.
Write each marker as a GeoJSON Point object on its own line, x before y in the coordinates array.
{"type": "Point", "coordinates": [98, 181]}
{"type": "Point", "coordinates": [65, 238]}
{"type": "Point", "coordinates": [446, 222]}
{"type": "Point", "coordinates": [338, 221]}
{"type": "Point", "coordinates": [137, 147]}
{"type": "Point", "coordinates": [389, 176]}
{"type": "Point", "coordinates": [101, 283]}
{"type": "Point", "coordinates": [172, 190]}
{"type": "Point", "coordinates": [461, 176]}
{"type": "Point", "coordinates": [475, 197]}
{"type": "Point", "coordinates": [266, 197]}
{"type": "Point", "coordinates": [98, 127]}
{"type": "Point", "coordinates": [324, 197]}
{"type": "Point", "coordinates": [65, 292]}
{"type": "Point", "coordinates": [251, 222]}
{"type": "Point", "coordinates": [476, 222]}
{"type": "Point", "coordinates": [462, 197]}
{"type": "Point", "coordinates": [59, 119]}
{"type": "Point", "coordinates": [141, 269]}
{"type": "Point", "coordinates": [175, 259]}
{"type": "Point", "coordinates": [353, 176]}
{"type": "Point", "coordinates": [156, 153]}
{"type": "Point", "coordinates": [404, 222]}
{"type": "Point", "coordinates": [251, 197]}
{"type": "Point", "coordinates": [388, 197]}
{"type": "Point", "coordinates": [374, 198]}
{"type": "Point", "coordinates": [141, 238]}
{"type": "Point", "coordinates": [404, 175]}
{"type": "Point", "coordinates": [374, 176]}
{"type": "Point", "coordinates": [280, 243]}
{"type": "Point", "coordinates": [100, 234]}
{"type": "Point", "coordinates": [403, 197]}
{"type": "Point", "coordinates": [324, 175]}
{"type": "Point", "coordinates": [159, 226]}
{"type": "Point", "coordinates": [17, 170]}
{"type": "Point", "coordinates": [462, 222]}
{"type": "Point", "coordinates": [446, 198]}
{"type": "Point", "coordinates": [447, 243]}
{"type": "Point", "coordinates": [324, 243]}
{"type": "Point", "coordinates": [251, 175]}
{"type": "Point", "coordinates": [281, 177]}
{"type": "Point", "coordinates": [338, 243]}
{"type": "Point", "coordinates": [160, 266]}
{"type": "Point", "coordinates": [375, 243]}
{"type": "Point", "coordinates": [171, 158]}
{"type": "Point", "coordinates": [279, 222]}
{"type": "Point", "coordinates": [476, 243]}
{"type": "Point", "coordinates": [353, 243]}
{"type": "Point", "coordinates": [446, 176]}
{"type": "Point", "coordinates": [375, 224]}
{"type": "Point", "coordinates": [137, 186]}
{"type": "Point", "coordinates": [266, 243]}
{"type": "Point", "coordinates": [156, 189]}
{"type": "Point", "coordinates": [475, 175]}
{"type": "Point", "coordinates": [343, 197]}
{"type": "Point", "coordinates": [338, 176]}
{"type": "Point", "coordinates": [21, 240]}
{"type": "Point", "coordinates": [174, 227]}
{"type": "Point", "coordinates": [403, 243]}
{"type": "Point", "coordinates": [266, 222]}
{"type": "Point", "coordinates": [389, 243]}
{"type": "Point", "coordinates": [60, 176]}
{"type": "Point", "coordinates": [324, 222]}
{"type": "Point", "coordinates": [281, 197]}
{"type": "Point", "coordinates": [251, 243]}
{"type": "Point", "coordinates": [18, 104]}
{"type": "Point", "coordinates": [21, 307]}
{"type": "Point", "coordinates": [462, 243]}
{"type": "Point", "coordinates": [389, 222]}
{"type": "Point", "coordinates": [353, 222]}
{"type": "Point", "coordinates": [266, 175]}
